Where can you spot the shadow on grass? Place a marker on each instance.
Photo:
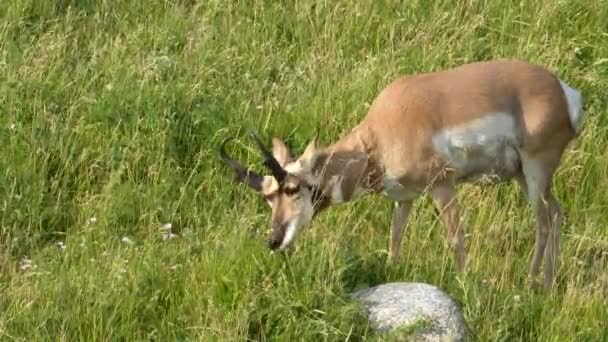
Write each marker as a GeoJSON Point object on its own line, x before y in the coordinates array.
{"type": "Point", "coordinates": [365, 271]}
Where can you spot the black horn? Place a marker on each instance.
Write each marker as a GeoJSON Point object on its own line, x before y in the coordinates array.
{"type": "Point", "coordinates": [269, 160]}
{"type": "Point", "coordinates": [241, 173]}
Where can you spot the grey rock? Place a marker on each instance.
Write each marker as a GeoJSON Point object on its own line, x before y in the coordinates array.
{"type": "Point", "coordinates": [413, 312]}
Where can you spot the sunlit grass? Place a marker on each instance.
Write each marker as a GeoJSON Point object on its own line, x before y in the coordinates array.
{"type": "Point", "coordinates": [114, 110]}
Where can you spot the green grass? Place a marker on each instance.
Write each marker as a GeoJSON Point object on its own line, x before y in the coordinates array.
{"type": "Point", "coordinates": [114, 110]}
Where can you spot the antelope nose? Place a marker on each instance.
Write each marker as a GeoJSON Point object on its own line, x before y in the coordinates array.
{"type": "Point", "coordinates": [273, 244]}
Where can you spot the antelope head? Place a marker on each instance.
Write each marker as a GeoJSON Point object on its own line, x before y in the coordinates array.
{"type": "Point", "coordinates": [291, 190]}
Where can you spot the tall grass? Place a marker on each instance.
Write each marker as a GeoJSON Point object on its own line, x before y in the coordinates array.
{"type": "Point", "coordinates": [111, 114]}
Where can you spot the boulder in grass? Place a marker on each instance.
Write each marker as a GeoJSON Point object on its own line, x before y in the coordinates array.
{"type": "Point", "coordinates": [413, 311]}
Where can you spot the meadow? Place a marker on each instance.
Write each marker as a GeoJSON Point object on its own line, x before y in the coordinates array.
{"type": "Point", "coordinates": [118, 222]}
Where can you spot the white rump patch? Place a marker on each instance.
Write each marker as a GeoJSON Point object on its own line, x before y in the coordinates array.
{"type": "Point", "coordinates": [575, 105]}
{"type": "Point", "coordinates": [482, 146]}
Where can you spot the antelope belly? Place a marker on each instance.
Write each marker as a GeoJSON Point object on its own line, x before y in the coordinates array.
{"type": "Point", "coordinates": [482, 149]}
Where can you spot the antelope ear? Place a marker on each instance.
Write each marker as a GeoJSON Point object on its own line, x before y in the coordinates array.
{"type": "Point", "coordinates": [280, 151]}
{"type": "Point", "coordinates": [309, 157]}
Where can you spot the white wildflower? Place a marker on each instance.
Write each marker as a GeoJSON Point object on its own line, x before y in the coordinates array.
{"type": "Point", "coordinates": [61, 244]}
{"type": "Point", "coordinates": [121, 272]}
{"type": "Point", "coordinates": [126, 240]}
{"type": "Point", "coordinates": [165, 232]}
{"type": "Point", "coordinates": [93, 220]}
{"type": "Point", "coordinates": [167, 235]}
{"type": "Point", "coordinates": [163, 61]}
{"type": "Point", "coordinates": [26, 264]}
{"type": "Point", "coordinates": [187, 232]}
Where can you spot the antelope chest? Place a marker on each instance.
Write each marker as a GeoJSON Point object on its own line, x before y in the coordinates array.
{"type": "Point", "coordinates": [396, 191]}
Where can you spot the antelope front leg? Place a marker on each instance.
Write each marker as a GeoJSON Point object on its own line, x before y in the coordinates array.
{"type": "Point", "coordinates": [445, 198]}
{"type": "Point", "coordinates": [398, 223]}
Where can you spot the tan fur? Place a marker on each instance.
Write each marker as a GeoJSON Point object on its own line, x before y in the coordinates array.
{"type": "Point", "coordinates": [394, 145]}
{"type": "Point", "coordinates": [397, 132]}
{"type": "Point", "coordinates": [410, 110]}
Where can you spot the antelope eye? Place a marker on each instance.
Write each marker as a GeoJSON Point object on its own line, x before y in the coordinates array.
{"type": "Point", "coordinates": [292, 190]}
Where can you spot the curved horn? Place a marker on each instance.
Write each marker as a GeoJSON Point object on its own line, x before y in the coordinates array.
{"type": "Point", "coordinates": [269, 160]}
{"type": "Point", "coordinates": [241, 173]}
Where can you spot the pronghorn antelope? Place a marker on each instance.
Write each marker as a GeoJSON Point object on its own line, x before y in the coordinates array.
{"type": "Point", "coordinates": [486, 121]}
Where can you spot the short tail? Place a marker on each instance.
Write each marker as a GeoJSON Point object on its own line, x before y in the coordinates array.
{"type": "Point", "coordinates": [575, 106]}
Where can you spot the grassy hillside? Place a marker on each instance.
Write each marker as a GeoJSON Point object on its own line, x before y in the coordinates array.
{"type": "Point", "coordinates": [110, 117]}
